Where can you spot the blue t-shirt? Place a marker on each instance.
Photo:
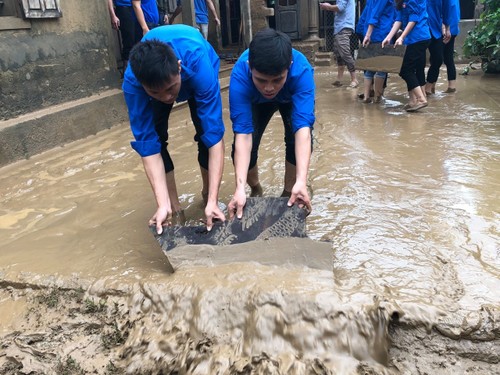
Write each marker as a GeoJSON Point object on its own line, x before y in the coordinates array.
{"type": "Point", "coordinates": [150, 10]}
{"type": "Point", "coordinates": [435, 13]}
{"type": "Point", "coordinates": [380, 14]}
{"type": "Point", "coordinates": [199, 80]}
{"type": "Point", "coordinates": [201, 11]}
{"type": "Point", "coordinates": [298, 90]}
{"type": "Point", "coordinates": [451, 16]}
{"type": "Point", "coordinates": [123, 3]}
{"type": "Point", "coordinates": [414, 11]}
{"type": "Point", "coordinates": [345, 17]}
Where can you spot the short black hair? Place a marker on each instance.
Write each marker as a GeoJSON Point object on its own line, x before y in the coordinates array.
{"type": "Point", "coordinates": [153, 63]}
{"type": "Point", "coordinates": [270, 52]}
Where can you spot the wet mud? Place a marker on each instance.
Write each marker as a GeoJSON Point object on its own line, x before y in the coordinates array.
{"type": "Point", "coordinates": [400, 273]}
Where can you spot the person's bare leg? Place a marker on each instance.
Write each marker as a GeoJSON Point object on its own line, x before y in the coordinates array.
{"type": "Point", "coordinates": [177, 212]}
{"type": "Point", "coordinates": [290, 176]}
{"type": "Point", "coordinates": [378, 87]}
{"type": "Point", "coordinates": [367, 89]}
{"type": "Point", "coordinates": [429, 87]}
{"type": "Point", "coordinates": [419, 94]}
{"type": "Point", "coordinates": [253, 181]}
{"type": "Point", "coordinates": [340, 72]}
{"type": "Point", "coordinates": [204, 179]}
{"type": "Point", "coordinates": [354, 80]}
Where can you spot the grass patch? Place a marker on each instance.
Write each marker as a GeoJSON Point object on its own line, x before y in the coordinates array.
{"type": "Point", "coordinates": [69, 367]}
{"type": "Point", "coordinates": [113, 338]}
{"type": "Point", "coordinates": [90, 307]}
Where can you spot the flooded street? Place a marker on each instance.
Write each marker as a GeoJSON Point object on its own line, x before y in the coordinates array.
{"type": "Point", "coordinates": [400, 274]}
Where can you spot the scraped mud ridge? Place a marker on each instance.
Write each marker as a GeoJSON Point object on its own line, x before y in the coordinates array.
{"type": "Point", "coordinates": [228, 326]}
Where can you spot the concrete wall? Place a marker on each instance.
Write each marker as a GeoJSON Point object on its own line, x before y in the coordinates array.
{"type": "Point", "coordinates": [59, 80]}
{"type": "Point", "coordinates": [57, 60]}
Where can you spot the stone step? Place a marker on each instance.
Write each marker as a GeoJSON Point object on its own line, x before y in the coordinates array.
{"type": "Point", "coordinates": [322, 62]}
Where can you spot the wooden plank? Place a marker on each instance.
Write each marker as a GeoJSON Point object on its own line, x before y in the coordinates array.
{"type": "Point", "coordinates": [376, 58]}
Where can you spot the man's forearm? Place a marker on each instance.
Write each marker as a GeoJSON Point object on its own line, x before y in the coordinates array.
{"type": "Point", "coordinates": [215, 169]}
{"type": "Point", "coordinates": [242, 150]}
{"type": "Point", "coordinates": [155, 171]}
{"type": "Point", "coordinates": [139, 15]}
{"type": "Point", "coordinates": [212, 9]}
{"type": "Point", "coordinates": [302, 153]}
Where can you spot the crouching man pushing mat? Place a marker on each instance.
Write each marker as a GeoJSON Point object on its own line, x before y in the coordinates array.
{"type": "Point", "coordinates": [175, 63]}
{"type": "Point", "coordinates": [271, 76]}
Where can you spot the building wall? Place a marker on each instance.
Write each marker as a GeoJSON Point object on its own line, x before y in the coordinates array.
{"type": "Point", "coordinates": [57, 60]}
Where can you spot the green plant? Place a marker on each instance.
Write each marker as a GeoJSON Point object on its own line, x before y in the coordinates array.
{"type": "Point", "coordinates": [484, 40]}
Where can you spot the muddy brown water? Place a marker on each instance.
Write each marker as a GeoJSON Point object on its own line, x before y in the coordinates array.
{"type": "Point", "coordinates": [400, 274]}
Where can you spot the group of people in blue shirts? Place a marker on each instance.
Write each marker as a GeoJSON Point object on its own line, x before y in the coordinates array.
{"type": "Point", "coordinates": [134, 18]}
{"type": "Point", "coordinates": [175, 63]}
{"type": "Point", "coordinates": [426, 25]}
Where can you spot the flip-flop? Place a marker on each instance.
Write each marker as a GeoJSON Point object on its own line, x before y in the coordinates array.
{"type": "Point", "coordinates": [337, 83]}
{"type": "Point", "coordinates": [416, 107]}
{"type": "Point", "coordinates": [353, 85]}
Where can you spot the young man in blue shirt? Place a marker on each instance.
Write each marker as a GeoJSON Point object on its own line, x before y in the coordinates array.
{"type": "Point", "coordinates": [271, 76]}
{"type": "Point", "coordinates": [174, 63]}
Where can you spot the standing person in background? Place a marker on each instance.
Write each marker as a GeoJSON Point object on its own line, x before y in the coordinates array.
{"type": "Point", "coordinates": [411, 15]}
{"type": "Point", "coordinates": [122, 19]}
{"type": "Point", "coordinates": [201, 8]}
{"type": "Point", "coordinates": [452, 18]}
{"type": "Point", "coordinates": [146, 13]}
{"type": "Point", "coordinates": [162, 12]}
{"type": "Point", "coordinates": [378, 21]}
{"type": "Point", "coordinates": [343, 28]}
{"type": "Point", "coordinates": [436, 27]}
{"type": "Point", "coordinates": [271, 76]}
{"type": "Point", "coordinates": [174, 64]}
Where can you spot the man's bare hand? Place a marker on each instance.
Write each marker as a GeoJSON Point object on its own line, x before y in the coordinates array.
{"type": "Point", "coordinates": [300, 196]}
{"type": "Point", "coordinates": [213, 212]}
{"type": "Point", "coordinates": [237, 203]}
{"type": "Point", "coordinates": [162, 216]}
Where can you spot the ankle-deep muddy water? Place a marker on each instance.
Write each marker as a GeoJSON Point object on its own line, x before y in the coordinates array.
{"type": "Point", "coordinates": [400, 273]}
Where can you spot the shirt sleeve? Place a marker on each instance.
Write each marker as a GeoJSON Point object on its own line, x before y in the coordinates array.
{"type": "Point", "coordinates": [376, 11]}
{"type": "Point", "coordinates": [141, 120]}
{"type": "Point", "coordinates": [240, 103]}
{"type": "Point", "coordinates": [342, 5]}
{"type": "Point", "coordinates": [206, 88]}
{"type": "Point", "coordinates": [446, 12]}
{"type": "Point", "coordinates": [303, 99]}
{"type": "Point", "coordinates": [415, 10]}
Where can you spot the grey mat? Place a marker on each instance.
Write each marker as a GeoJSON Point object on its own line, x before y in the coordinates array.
{"type": "Point", "coordinates": [263, 218]}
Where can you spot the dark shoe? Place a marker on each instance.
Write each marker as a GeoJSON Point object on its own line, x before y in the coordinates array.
{"type": "Point", "coordinates": [450, 90]}
{"type": "Point", "coordinates": [367, 101]}
{"type": "Point", "coordinates": [416, 107]}
{"type": "Point", "coordinates": [337, 83]}
{"type": "Point", "coordinates": [377, 99]}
